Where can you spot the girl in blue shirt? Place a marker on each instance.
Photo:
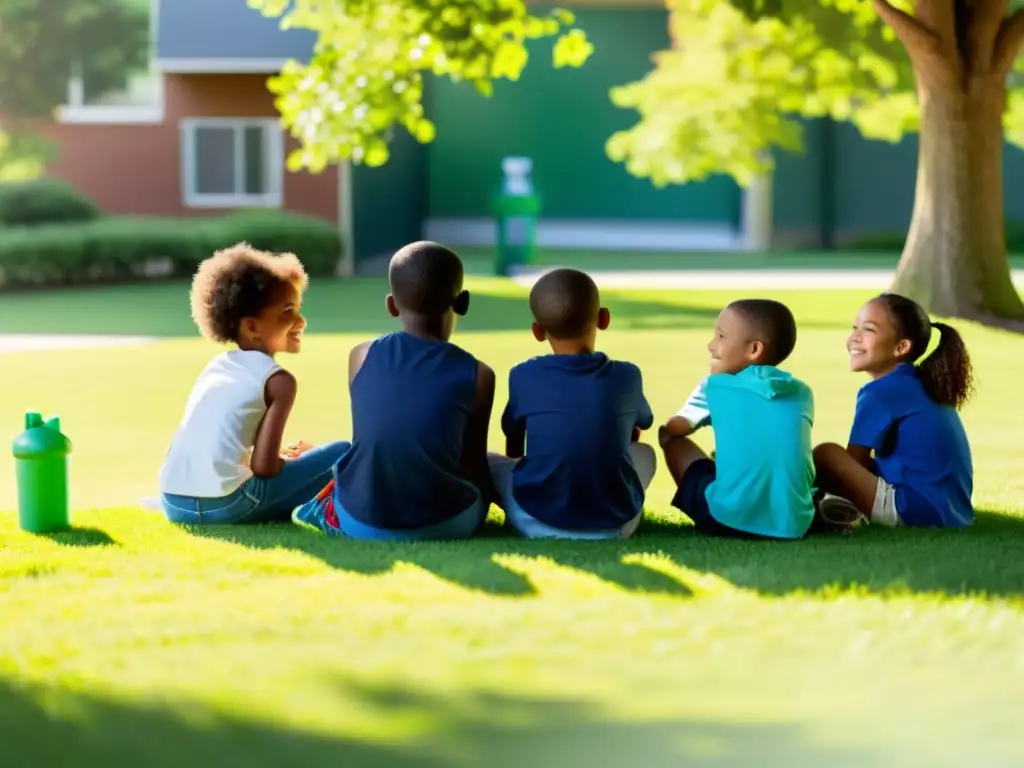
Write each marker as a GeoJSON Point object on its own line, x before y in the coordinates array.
{"type": "Point", "coordinates": [908, 461]}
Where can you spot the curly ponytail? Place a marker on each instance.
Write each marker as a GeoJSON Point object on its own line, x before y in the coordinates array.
{"type": "Point", "coordinates": [946, 373]}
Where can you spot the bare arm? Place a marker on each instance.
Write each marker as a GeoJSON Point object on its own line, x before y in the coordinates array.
{"type": "Point", "coordinates": [474, 446]}
{"type": "Point", "coordinates": [279, 394]}
{"type": "Point", "coordinates": [691, 417]}
{"type": "Point", "coordinates": [356, 358]}
{"type": "Point", "coordinates": [677, 426]}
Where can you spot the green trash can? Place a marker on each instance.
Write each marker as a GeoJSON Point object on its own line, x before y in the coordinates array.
{"type": "Point", "coordinates": [517, 208]}
{"type": "Point", "coordinates": [41, 467]}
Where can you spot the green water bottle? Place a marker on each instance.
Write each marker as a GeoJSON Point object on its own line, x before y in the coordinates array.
{"type": "Point", "coordinates": [41, 466]}
{"type": "Point", "coordinates": [517, 209]}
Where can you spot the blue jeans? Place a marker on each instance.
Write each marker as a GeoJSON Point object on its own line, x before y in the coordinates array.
{"type": "Point", "coordinates": [641, 455]}
{"type": "Point", "coordinates": [462, 526]}
{"type": "Point", "coordinates": [261, 499]}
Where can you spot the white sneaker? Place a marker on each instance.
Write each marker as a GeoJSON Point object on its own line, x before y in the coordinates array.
{"type": "Point", "coordinates": [835, 510]}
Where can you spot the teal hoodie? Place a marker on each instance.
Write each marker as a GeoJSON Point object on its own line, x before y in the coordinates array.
{"type": "Point", "coordinates": [762, 419]}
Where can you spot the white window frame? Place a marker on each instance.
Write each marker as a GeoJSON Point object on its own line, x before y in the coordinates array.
{"type": "Point", "coordinates": [274, 143]}
{"type": "Point", "coordinates": [77, 111]}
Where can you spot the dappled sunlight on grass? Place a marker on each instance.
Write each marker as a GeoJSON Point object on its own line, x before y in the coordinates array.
{"type": "Point", "coordinates": [132, 641]}
{"type": "Point", "coordinates": [222, 639]}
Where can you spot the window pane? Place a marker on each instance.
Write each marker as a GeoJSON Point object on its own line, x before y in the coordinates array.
{"type": "Point", "coordinates": [124, 75]}
{"type": "Point", "coordinates": [215, 161]}
{"type": "Point", "coordinates": [255, 161]}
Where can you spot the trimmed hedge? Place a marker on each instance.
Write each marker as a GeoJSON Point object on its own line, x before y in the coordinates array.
{"type": "Point", "coordinates": [126, 248]}
{"type": "Point", "coordinates": [892, 242]}
{"type": "Point", "coordinates": [315, 241]}
{"type": "Point", "coordinates": [47, 201]}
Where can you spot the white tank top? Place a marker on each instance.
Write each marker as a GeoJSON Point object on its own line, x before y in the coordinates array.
{"type": "Point", "coordinates": [209, 455]}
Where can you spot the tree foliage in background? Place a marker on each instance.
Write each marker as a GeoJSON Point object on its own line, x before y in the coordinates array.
{"type": "Point", "coordinates": [736, 85]}
{"type": "Point", "coordinates": [367, 72]}
{"type": "Point", "coordinates": [41, 42]}
{"type": "Point", "coordinates": [741, 74]}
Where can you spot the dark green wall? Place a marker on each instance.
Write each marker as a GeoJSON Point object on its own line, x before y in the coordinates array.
{"type": "Point", "coordinates": [390, 203]}
{"type": "Point", "coordinates": [562, 119]}
{"type": "Point", "coordinates": [800, 210]}
{"type": "Point", "coordinates": [848, 186]}
{"type": "Point", "coordinates": [873, 183]}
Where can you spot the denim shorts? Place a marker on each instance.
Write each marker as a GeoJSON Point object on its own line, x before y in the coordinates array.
{"type": "Point", "coordinates": [261, 499]}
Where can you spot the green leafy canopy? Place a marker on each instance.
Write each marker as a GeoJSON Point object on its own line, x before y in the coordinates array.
{"type": "Point", "coordinates": [366, 74]}
{"type": "Point", "coordinates": [742, 73]}
{"type": "Point", "coordinates": [740, 76]}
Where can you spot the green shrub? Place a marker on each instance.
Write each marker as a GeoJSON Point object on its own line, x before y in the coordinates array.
{"type": "Point", "coordinates": [133, 248]}
{"type": "Point", "coordinates": [892, 242]}
{"type": "Point", "coordinates": [316, 242]}
{"type": "Point", "coordinates": [47, 201]}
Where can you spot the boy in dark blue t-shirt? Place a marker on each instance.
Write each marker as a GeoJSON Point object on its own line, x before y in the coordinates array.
{"type": "Point", "coordinates": [574, 469]}
{"type": "Point", "coordinates": [417, 468]}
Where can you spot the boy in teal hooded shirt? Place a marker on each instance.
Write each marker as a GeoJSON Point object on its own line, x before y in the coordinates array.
{"type": "Point", "coordinates": [761, 481]}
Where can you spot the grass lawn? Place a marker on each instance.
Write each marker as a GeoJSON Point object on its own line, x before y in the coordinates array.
{"type": "Point", "coordinates": [131, 642]}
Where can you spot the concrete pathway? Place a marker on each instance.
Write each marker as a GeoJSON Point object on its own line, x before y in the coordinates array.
{"type": "Point", "coordinates": [725, 279]}
{"type": "Point", "coordinates": [27, 342]}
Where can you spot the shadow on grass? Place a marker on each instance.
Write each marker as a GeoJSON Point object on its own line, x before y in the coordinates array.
{"type": "Point", "coordinates": [80, 537]}
{"type": "Point", "coordinates": [470, 564]}
{"type": "Point", "coordinates": [984, 559]}
{"type": "Point", "coordinates": [47, 726]}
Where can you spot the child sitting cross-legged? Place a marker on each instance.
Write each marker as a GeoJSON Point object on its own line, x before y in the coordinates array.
{"type": "Point", "coordinates": [574, 469]}
{"type": "Point", "coordinates": [226, 463]}
{"type": "Point", "coordinates": [760, 483]}
{"type": "Point", "coordinates": [908, 462]}
{"type": "Point", "coordinates": [417, 468]}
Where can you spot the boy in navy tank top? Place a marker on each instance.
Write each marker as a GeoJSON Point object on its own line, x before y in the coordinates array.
{"type": "Point", "coordinates": [574, 468]}
{"type": "Point", "coordinates": [417, 468]}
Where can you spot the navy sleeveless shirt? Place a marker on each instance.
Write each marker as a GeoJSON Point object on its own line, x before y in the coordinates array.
{"type": "Point", "coordinates": [411, 403]}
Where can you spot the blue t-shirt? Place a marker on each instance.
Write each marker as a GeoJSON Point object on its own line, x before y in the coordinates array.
{"type": "Point", "coordinates": [411, 403]}
{"type": "Point", "coordinates": [920, 447]}
{"type": "Point", "coordinates": [578, 413]}
{"type": "Point", "coordinates": [764, 468]}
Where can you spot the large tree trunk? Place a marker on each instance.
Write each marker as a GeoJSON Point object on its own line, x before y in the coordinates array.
{"type": "Point", "coordinates": [954, 261]}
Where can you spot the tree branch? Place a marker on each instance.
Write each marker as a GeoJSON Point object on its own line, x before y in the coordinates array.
{"type": "Point", "coordinates": [917, 38]}
{"type": "Point", "coordinates": [1008, 42]}
{"type": "Point", "coordinates": [984, 22]}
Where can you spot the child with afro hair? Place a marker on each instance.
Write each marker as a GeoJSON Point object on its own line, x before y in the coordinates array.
{"type": "Point", "coordinates": [226, 463]}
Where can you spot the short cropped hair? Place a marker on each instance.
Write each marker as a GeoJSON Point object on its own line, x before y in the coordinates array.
{"type": "Point", "coordinates": [425, 277]}
{"type": "Point", "coordinates": [240, 282]}
{"type": "Point", "coordinates": [771, 323]}
{"type": "Point", "coordinates": [565, 302]}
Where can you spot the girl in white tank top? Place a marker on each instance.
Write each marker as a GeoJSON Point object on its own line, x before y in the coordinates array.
{"type": "Point", "coordinates": [226, 463]}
